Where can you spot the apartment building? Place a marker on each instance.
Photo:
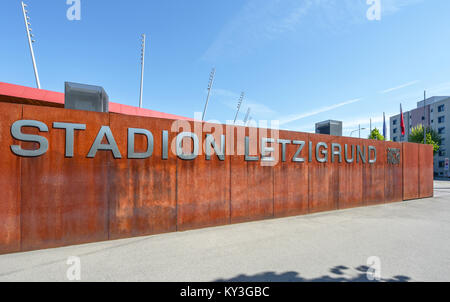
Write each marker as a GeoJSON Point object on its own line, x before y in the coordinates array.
{"type": "Point", "coordinates": [434, 112]}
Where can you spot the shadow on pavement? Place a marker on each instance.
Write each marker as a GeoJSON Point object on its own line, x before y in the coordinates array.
{"type": "Point", "coordinates": [337, 274]}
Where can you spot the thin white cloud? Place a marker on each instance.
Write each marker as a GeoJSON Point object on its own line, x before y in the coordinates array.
{"type": "Point", "coordinates": [230, 99]}
{"type": "Point", "coordinates": [261, 111]}
{"type": "Point", "coordinates": [292, 118]}
{"type": "Point", "coordinates": [364, 121]}
{"type": "Point", "coordinates": [258, 21]}
{"type": "Point", "coordinates": [400, 87]}
{"type": "Point", "coordinates": [261, 21]}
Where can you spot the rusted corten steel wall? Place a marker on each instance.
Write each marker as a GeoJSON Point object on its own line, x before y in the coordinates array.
{"type": "Point", "coordinates": [53, 200]}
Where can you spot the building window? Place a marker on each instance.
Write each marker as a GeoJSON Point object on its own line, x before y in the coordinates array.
{"type": "Point", "coordinates": [432, 121]}
{"type": "Point", "coordinates": [441, 108]}
{"type": "Point", "coordinates": [395, 130]}
{"type": "Point", "coordinates": [442, 164]}
{"type": "Point", "coordinates": [395, 139]}
{"type": "Point", "coordinates": [441, 130]}
{"type": "Point", "coordinates": [394, 122]}
{"type": "Point", "coordinates": [442, 152]}
{"type": "Point", "coordinates": [441, 119]}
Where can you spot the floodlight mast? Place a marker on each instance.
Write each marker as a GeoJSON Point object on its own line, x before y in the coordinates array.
{"type": "Point", "coordinates": [210, 85]}
{"type": "Point", "coordinates": [239, 106]}
{"type": "Point", "coordinates": [247, 116]}
{"type": "Point", "coordinates": [30, 43]}
{"type": "Point", "coordinates": [142, 69]}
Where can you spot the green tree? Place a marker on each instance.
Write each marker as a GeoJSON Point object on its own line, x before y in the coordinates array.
{"type": "Point", "coordinates": [375, 134]}
{"type": "Point", "coordinates": [433, 138]}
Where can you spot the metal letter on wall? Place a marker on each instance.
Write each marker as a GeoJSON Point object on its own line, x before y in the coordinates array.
{"type": "Point", "coordinates": [111, 146]}
{"type": "Point", "coordinates": [16, 132]}
{"type": "Point", "coordinates": [165, 145]}
{"type": "Point", "coordinates": [338, 152]}
{"type": "Point", "coordinates": [393, 156]}
{"type": "Point", "coordinates": [361, 154]}
{"type": "Point", "coordinates": [324, 152]}
{"type": "Point", "coordinates": [265, 149]}
{"type": "Point", "coordinates": [283, 143]}
{"type": "Point", "coordinates": [132, 154]}
{"type": "Point", "coordinates": [70, 133]}
{"type": "Point", "coordinates": [247, 151]}
{"type": "Point", "coordinates": [374, 159]}
{"type": "Point", "coordinates": [296, 158]}
{"type": "Point", "coordinates": [179, 146]}
{"type": "Point", "coordinates": [352, 159]}
{"type": "Point", "coordinates": [210, 141]}
{"type": "Point", "coordinates": [310, 151]}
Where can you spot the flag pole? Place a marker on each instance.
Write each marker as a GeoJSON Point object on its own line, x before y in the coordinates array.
{"type": "Point", "coordinates": [424, 117]}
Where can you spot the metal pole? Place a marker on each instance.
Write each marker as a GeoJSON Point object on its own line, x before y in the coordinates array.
{"type": "Point", "coordinates": [30, 43]}
{"type": "Point", "coordinates": [424, 117]}
{"type": "Point", "coordinates": [357, 130]}
{"type": "Point", "coordinates": [211, 82]}
{"type": "Point", "coordinates": [239, 107]}
{"type": "Point", "coordinates": [247, 116]}
{"type": "Point", "coordinates": [142, 70]}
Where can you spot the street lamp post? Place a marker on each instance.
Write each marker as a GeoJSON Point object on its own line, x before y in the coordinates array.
{"type": "Point", "coordinates": [359, 130]}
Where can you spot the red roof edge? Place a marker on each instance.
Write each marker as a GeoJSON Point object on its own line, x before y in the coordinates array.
{"type": "Point", "coordinates": [18, 92]}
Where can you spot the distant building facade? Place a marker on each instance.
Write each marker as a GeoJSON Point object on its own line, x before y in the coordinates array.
{"type": "Point", "coordinates": [435, 114]}
{"type": "Point", "coordinates": [329, 127]}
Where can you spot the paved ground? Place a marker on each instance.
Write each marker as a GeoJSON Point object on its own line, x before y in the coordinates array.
{"type": "Point", "coordinates": [411, 239]}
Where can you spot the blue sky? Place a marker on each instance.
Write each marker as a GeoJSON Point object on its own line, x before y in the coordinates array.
{"type": "Point", "coordinates": [298, 61]}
